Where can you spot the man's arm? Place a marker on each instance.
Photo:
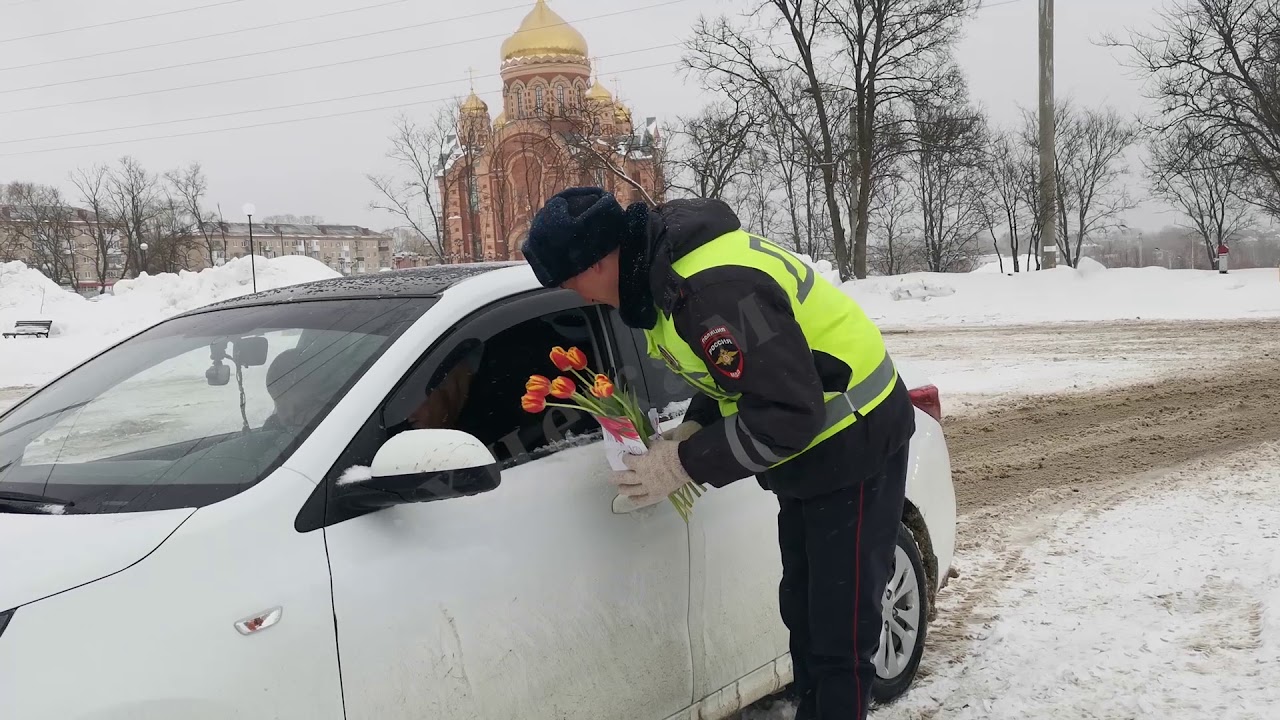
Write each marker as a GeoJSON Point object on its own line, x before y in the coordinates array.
{"type": "Point", "coordinates": [740, 321]}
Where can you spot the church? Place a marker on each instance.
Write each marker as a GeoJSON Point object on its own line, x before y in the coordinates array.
{"type": "Point", "coordinates": [557, 128]}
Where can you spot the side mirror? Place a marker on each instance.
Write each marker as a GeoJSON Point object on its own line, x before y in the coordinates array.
{"type": "Point", "coordinates": [424, 465]}
{"type": "Point", "coordinates": [250, 351]}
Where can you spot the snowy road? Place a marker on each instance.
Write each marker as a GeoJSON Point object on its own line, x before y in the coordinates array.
{"type": "Point", "coordinates": [981, 367]}
{"type": "Point", "coordinates": [1159, 597]}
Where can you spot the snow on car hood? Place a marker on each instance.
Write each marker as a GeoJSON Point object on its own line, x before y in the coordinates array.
{"type": "Point", "coordinates": [41, 555]}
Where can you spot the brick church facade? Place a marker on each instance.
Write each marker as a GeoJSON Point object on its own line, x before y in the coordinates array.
{"type": "Point", "coordinates": [557, 128]}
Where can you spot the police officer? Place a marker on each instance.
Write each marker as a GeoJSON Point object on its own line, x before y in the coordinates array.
{"type": "Point", "coordinates": [794, 387]}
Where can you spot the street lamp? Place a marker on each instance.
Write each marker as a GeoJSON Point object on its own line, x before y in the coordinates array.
{"type": "Point", "coordinates": [143, 247]}
{"type": "Point", "coordinates": [249, 210]}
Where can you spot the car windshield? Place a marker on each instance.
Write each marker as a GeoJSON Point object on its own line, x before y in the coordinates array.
{"type": "Point", "coordinates": [196, 409]}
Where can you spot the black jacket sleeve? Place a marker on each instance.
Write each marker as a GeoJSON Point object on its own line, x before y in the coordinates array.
{"type": "Point", "coordinates": [739, 321]}
{"type": "Point", "coordinates": [702, 410]}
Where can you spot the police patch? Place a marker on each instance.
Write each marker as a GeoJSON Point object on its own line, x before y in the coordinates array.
{"type": "Point", "coordinates": [723, 352]}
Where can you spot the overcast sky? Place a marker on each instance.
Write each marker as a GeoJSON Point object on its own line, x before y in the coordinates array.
{"type": "Point", "coordinates": [318, 166]}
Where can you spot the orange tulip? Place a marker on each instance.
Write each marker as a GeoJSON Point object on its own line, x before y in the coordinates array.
{"type": "Point", "coordinates": [537, 385]}
{"type": "Point", "coordinates": [533, 403]}
{"type": "Point", "coordinates": [577, 359]}
{"type": "Point", "coordinates": [563, 388]}
{"type": "Point", "coordinates": [603, 387]}
{"type": "Point", "coordinates": [560, 358]}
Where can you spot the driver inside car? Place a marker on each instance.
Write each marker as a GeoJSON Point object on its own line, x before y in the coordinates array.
{"type": "Point", "coordinates": [290, 392]}
{"type": "Point", "coordinates": [446, 395]}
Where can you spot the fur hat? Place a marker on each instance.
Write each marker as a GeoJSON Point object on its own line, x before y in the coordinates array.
{"type": "Point", "coordinates": [576, 229]}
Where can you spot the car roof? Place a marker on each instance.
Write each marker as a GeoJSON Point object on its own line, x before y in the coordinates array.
{"type": "Point", "coordinates": [424, 282]}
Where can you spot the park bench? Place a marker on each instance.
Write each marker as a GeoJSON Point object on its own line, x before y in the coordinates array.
{"type": "Point", "coordinates": [31, 328]}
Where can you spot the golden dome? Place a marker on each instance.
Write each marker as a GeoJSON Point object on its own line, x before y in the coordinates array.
{"type": "Point", "coordinates": [621, 113]}
{"type": "Point", "coordinates": [599, 94]}
{"type": "Point", "coordinates": [473, 104]}
{"type": "Point", "coordinates": [500, 120]}
{"type": "Point", "coordinates": [543, 32]}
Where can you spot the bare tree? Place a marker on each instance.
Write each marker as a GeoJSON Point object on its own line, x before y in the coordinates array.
{"type": "Point", "coordinates": [189, 186]}
{"type": "Point", "coordinates": [45, 226]}
{"type": "Point", "coordinates": [171, 238]}
{"type": "Point", "coordinates": [1091, 146]}
{"type": "Point", "coordinates": [288, 219]}
{"type": "Point", "coordinates": [778, 52]}
{"type": "Point", "coordinates": [1007, 168]}
{"type": "Point", "coordinates": [1216, 65]}
{"type": "Point", "coordinates": [898, 52]}
{"type": "Point", "coordinates": [1189, 170]}
{"type": "Point", "coordinates": [420, 152]}
{"type": "Point", "coordinates": [92, 183]}
{"type": "Point", "coordinates": [892, 207]}
{"type": "Point", "coordinates": [594, 152]}
{"type": "Point", "coordinates": [134, 198]}
{"type": "Point", "coordinates": [948, 182]}
{"type": "Point", "coordinates": [711, 147]}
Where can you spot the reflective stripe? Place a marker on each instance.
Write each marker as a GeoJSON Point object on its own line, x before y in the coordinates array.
{"type": "Point", "coordinates": [768, 455]}
{"type": "Point", "coordinates": [865, 392]}
{"type": "Point", "coordinates": [735, 444]}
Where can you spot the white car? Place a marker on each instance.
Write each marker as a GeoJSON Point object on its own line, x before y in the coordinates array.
{"type": "Point", "coordinates": [234, 514]}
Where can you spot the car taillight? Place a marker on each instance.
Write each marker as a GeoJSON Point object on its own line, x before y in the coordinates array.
{"type": "Point", "coordinates": [926, 398]}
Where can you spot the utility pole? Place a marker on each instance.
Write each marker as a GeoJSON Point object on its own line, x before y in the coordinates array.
{"type": "Point", "coordinates": [1048, 155]}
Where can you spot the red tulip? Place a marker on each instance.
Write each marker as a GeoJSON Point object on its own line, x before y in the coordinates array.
{"type": "Point", "coordinates": [577, 359]}
{"type": "Point", "coordinates": [560, 358]}
{"type": "Point", "coordinates": [603, 387]}
{"type": "Point", "coordinates": [563, 388]}
{"type": "Point", "coordinates": [537, 385]}
{"type": "Point", "coordinates": [533, 403]}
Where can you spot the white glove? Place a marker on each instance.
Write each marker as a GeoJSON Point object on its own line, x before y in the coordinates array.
{"type": "Point", "coordinates": [653, 476]}
{"type": "Point", "coordinates": [682, 432]}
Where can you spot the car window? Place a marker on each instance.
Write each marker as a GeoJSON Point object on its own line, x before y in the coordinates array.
{"type": "Point", "coordinates": [195, 409]}
{"type": "Point", "coordinates": [666, 391]}
{"type": "Point", "coordinates": [473, 379]}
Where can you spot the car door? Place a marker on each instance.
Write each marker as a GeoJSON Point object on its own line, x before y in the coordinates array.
{"type": "Point", "coordinates": [736, 565]}
{"type": "Point", "coordinates": [533, 600]}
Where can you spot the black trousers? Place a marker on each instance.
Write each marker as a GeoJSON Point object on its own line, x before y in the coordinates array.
{"type": "Point", "coordinates": [837, 551]}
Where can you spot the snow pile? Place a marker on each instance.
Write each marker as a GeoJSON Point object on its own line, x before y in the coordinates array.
{"type": "Point", "coordinates": [921, 290]}
{"type": "Point", "coordinates": [83, 326]}
{"type": "Point", "coordinates": [1164, 606]}
{"type": "Point", "coordinates": [1091, 293]}
{"type": "Point", "coordinates": [823, 268]}
{"type": "Point", "coordinates": [26, 294]}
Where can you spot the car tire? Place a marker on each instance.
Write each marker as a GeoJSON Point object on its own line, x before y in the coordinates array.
{"type": "Point", "coordinates": [906, 603]}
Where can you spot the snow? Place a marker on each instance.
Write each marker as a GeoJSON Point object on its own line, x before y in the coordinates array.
{"type": "Point", "coordinates": [83, 326]}
{"type": "Point", "coordinates": [1090, 293]}
{"type": "Point", "coordinates": [355, 474]}
{"type": "Point", "coordinates": [1166, 605]}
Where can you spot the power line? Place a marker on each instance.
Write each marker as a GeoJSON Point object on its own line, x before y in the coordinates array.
{"type": "Point", "coordinates": [283, 122]}
{"type": "Point", "coordinates": [205, 36]}
{"type": "Point", "coordinates": [322, 66]}
{"type": "Point", "coordinates": [268, 51]}
{"type": "Point", "coordinates": [236, 113]}
{"type": "Point", "coordinates": [998, 4]}
{"type": "Point", "coordinates": [121, 22]}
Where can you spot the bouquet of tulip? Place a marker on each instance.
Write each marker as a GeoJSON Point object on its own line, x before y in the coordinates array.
{"type": "Point", "coordinates": [625, 426]}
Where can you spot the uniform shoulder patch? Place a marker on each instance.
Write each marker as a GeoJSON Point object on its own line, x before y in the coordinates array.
{"type": "Point", "coordinates": [723, 352]}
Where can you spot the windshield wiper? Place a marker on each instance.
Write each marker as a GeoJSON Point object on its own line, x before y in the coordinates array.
{"type": "Point", "coordinates": [26, 503]}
